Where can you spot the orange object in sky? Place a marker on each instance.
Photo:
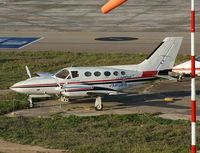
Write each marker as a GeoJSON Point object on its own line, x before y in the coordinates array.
{"type": "Point", "coordinates": [111, 5]}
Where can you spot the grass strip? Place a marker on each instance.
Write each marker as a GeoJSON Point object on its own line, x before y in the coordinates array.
{"type": "Point", "coordinates": [106, 133]}
{"type": "Point", "coordinates": [12, 101]}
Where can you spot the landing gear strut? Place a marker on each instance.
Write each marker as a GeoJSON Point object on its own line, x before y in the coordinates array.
{"type": "Point", "coordinates": [98, 105]}
{"type": "Point", "coordinates": [180, 77]}
{"type": "Point", "coordinates": [31, 105]}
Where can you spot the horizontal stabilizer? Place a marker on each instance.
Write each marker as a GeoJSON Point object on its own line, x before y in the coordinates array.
{"type": "Point", "coordinates": [165, 77]}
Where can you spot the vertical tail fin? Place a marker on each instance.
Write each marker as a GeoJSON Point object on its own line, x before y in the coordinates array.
{"type": "Point", "coordinates": [164, 56]}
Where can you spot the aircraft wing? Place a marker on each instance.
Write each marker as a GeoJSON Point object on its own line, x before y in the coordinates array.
{"type": "Point", "coordinates": [102, 93]}
{"type": "Point", "coordinates": [43, 74]}
{"type": "Point", "coordinates": [39, 96]}
{"type": "Point", "coordinates": [87, 90]}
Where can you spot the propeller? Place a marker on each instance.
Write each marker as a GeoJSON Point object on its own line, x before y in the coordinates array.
{"type": "Point", "coordinates": [60, 88]}
{"type": "Point", "coordinates": [28, 71]}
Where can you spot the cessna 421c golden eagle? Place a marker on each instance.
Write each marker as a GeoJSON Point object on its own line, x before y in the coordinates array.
{"type": "Point", "coordinates": [73, 82]}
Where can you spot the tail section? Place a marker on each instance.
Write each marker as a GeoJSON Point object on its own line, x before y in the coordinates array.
{"type": "Point", "coordinates": [164, 56]}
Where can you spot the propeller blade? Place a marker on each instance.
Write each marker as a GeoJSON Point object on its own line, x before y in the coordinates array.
{"type": "Point", "coordinates": [28, 71]}
{"type": "Point", "coordinates": [60, 88]}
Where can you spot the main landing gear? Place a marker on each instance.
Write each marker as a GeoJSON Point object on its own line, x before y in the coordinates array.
{"type": "Point", "coordinates": [98, 106]}
{"type": "Point", "coordinates": [180, 77]}
{"type": "Point", "coordinates": [31, 105]}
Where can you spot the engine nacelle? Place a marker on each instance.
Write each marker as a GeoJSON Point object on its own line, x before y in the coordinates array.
{"type": "Point", "coordinates": [71, 90]}
{"type": "Point", "coordinates": [75, 94]}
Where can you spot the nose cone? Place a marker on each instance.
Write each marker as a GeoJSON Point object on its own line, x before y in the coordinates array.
{"type": "Point", "coordinates": [35, 86]}
{"type": "Point", "coordinates": [18, 87]}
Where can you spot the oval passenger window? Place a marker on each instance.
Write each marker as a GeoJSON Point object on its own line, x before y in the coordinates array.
{"type": "Point", "coordinates": [123, 73]}
{"type": "Point", "coordinates": [87, 74]}
{"type": "Point", "coordinates": [107, 73]}
{"type": "Point", "coordinates": [97, 73]}
{"type": "Point", "coordinates": [116, 73]}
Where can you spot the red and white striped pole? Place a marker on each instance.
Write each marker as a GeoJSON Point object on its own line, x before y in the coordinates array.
{"type": "Point", "coordinates": [193, 89]}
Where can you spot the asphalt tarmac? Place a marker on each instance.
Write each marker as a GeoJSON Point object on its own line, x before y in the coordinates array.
{"type": "Point", "coordinates": [72, 25]}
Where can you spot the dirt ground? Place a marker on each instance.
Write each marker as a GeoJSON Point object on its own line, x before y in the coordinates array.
{"type": "Point", "coordinates": [8, 147]}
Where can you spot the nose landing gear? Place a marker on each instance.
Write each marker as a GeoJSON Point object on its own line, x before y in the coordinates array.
{"type": "Point", "coordinates": [64, 99]}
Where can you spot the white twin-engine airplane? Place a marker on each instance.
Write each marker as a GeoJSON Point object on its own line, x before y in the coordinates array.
{"type": "Point", "coordinates": [185, 68]}
{"type": "Point", "coordinates": [105, 80]}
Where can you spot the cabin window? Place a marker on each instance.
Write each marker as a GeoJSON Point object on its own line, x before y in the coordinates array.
{"type": "Point", "coordinates": [69, 77]}
{"type": "Point", "coordinates": [62, 74]}
{"type": "Point", "coordinates": [116, 73]}
{"type": "Point", "coordinates": [107, 73]}
{"type": "Point", "coordinates": [123, 73]}
{"type": "Point", "coordinates": [97, 73]}
{"type": "Point", "coordinates": [74, 74]}
{"type": "Point", "coordinates": [87, 74]}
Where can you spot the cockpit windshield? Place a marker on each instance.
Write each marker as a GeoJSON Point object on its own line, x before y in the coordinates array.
{"type": "Point", "coordinates": [62, 74]}
{"type": "Point", "coordinates": [197, 59]}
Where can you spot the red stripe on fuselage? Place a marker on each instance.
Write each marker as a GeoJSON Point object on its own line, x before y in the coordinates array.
{"type": "Point", "coordinates": [145, 74]}
{"type": "Point", "coordinates": [50, 84]}
{"type": "Point", "coordinates": [149, 74]}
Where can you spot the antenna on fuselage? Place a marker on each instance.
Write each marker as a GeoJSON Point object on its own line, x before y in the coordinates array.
{"type": "Point", "coordinates": [28, 71]}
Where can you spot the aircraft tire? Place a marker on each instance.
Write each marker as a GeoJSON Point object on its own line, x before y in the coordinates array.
{"type": "Point", "coordinates": [99, 108]}
{"type": "Point", "coordinates": [180, 79]}
{"type": "Point", "coordinates": [31, 105]}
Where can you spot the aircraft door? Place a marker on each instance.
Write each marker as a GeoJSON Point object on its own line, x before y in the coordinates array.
{"type": "Point", "coordinates": [75, 75]}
